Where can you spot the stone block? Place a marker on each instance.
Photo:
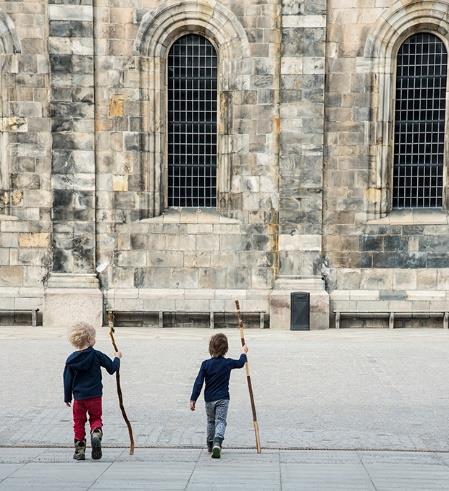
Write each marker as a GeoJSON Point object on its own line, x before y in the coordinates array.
{"type": "Point", "coordinates": [156, 242]}
{"type": "Point", "coordinates": [405, 279]}
{"type": "Point", "coordinates": [426, 279]}
{"type": "Point", "coordinates": [230, 243]}
{"type": "Point", "coordinates": [26, 109]}
{"type": "Point", "coordinates": [165, 258]}
{"type": "Point", "coordinates": [132, 259]}
{"type": "Point", "coordinates": [443, 279]}
{"type": "Point", "coordinates": [120, 183]}
{"type": "Point", "coordinates": [206, 242]}
{"type": "Point", "coordinates": [65, 306]}
{"type": "Point", "coordinates": [238, 278]}
{"type": "Point", "coordinates": [184, 278]}
{"type": "Point", "coordinates": [300, 242]}
{"type": "Point", "coordinates": [4, 257]}
{"type": "Point", "coordinates": [70, 13]}
{"type": "Point", "coordinates": [197, 259]}
{"type": "Point", "coordinates": [192, 305]}
{"type": "Point", "coordinates": [70, 28]}
{"type": "Point", "coordinates": [33, 240]}
{"type": "Point", "coordinates": [181, 243]}
{"type": "Point", "coordinates": [139, 241]}
{"type": "Point", "coordinates": [165, 303]}
{"type": "Point", "coordinates": [261, 278]}
{"type": "Point", "coordinates": [211, 278]}
{"type": "Point", "coordinates": [9, 240]}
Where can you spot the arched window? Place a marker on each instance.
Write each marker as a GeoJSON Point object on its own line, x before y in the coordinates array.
{"type": "Point", "coordinates": [192, 123]}
{"type": "Point", "coordinates": [420, 114]}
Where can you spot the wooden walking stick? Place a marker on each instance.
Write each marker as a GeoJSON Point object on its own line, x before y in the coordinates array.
{"type": "Point", "coordinates": [119, 388]}
{"type": "Point", "coordinates": [248, 379]}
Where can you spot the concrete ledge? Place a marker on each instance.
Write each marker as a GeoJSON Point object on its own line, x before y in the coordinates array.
{"type": "Point", "coordinates": [188, 300]}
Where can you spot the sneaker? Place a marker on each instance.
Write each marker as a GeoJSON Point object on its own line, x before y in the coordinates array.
{"type": "Point", "coordinates": [80, 450]}
{"type": "Point", "coordinates": [216, 450]}
{"type": "Point", "coordinates": [209, 446]}
{"type": "Point", "coordinates": [95, 438]}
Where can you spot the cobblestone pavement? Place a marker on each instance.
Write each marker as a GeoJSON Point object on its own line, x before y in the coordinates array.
{"type": "Point", "coordinates": [347, 389]}
{"type": "Point", "coordinates": [176, 469]}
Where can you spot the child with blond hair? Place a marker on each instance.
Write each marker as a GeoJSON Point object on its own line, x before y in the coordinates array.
{"type": "Point", "coordinates": [82, 381]}
{"type": "Point", "coordinates": [216, 372]}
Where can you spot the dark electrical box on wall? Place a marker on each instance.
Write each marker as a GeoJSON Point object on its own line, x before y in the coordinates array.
{"type": "Point", "coordinates": [300, 311]}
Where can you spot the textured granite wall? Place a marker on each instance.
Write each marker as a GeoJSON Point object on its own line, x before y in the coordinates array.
{"type": "Point", "coordinates": [304, 155]}
{"type": "Point", "coordinates": [379, 258]}
{"type": "Point", "coordinates": [25, 154]}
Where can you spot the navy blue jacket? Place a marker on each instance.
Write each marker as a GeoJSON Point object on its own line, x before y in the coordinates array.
{"type": "Point", "coordinates": [82, 374]}
{"type": "Point", "coordinates": [216, 372]}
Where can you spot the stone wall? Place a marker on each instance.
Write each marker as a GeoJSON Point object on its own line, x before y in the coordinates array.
{"type": "Point", "coordinates": [378, 258]}
{"type": "Point", "coordinates": [232, 248]}
{"type": "Point", "coordinates": [25, 154]}
{"type": "Point", "coordinates": [304, 158]}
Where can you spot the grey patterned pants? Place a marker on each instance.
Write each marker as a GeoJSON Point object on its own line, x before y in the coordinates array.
{"type": "Point", "coordinates": [216, 412]}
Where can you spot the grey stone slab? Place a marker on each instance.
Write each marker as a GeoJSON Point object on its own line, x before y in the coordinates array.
{"type": "Point", "coordinates": [408, 476]}
{"type": "Point", "coordinates": [64, 472]}
{"type": "Point", "coordinates": [162, 455]}
{"type": "Point", "coordinates": [318, 457]}
{"type": "Point", "coordinates": [54, 476]}
{"type": "Point", "coordinates": [21, 484]}
{"type": "Point", "coordinates": [7, 470]}
{"type": "Point", "coordinates": [58, 456]}
{"type": "Point", "coordinates": [324, 476]}
{"type": "Point", "coordinates": [18, 455]}
{"type": "Point", "coordinates": [131, 475]}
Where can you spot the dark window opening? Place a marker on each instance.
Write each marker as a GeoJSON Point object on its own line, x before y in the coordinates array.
{"type": "Point", "coordinates": [420, 114]}
{"type": "Point", "coordinates": [192, 123]}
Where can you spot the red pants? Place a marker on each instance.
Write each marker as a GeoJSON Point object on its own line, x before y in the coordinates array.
{"type": "Point", "coordinates": [80, 411]}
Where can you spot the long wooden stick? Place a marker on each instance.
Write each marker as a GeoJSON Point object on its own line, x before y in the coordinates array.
{"type": "Point", "coordinates": [248, 379]}
{"type": "Point", "coordinates": [119, 388]}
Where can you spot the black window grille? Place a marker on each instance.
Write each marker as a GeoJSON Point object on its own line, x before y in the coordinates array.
{"type": "Point", "coordinates": [420, 114]}
{"type": "Point", "coordinates": [192, 123]}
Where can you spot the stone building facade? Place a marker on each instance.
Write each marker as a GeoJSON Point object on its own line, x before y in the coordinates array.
{"type": "Point", "coordinates": [305, 138]}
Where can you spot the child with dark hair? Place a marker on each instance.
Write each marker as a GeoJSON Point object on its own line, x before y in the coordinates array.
{"type": "Point", "coordinates": [82, 380]}
{"type": "Point", "coordinates": [216, 372]}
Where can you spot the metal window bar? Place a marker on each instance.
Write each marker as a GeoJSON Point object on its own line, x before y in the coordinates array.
{"type": "Point", "coordinates": [192, 123]}
{"type": "Point", "coordinates": [420, 114]}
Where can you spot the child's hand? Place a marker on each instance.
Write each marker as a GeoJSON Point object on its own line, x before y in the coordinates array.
{"type": "Point", "coordinates": [68, 404]}
{"type": "Point", "coordinates": [192, 405]}
{"type": "Point", "coordinates": [118, 354]}
{"type": "Point", "coordinates": [244, 349]}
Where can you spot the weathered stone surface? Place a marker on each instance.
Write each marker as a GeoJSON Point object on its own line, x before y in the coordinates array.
{"type": "Point", "coordinates": [84, 153]}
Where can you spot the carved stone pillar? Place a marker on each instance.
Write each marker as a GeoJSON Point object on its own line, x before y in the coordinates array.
{"type": "Point", "coordinates": [302, 64]}
{"type": "Point", "coordinates": [72, 292]}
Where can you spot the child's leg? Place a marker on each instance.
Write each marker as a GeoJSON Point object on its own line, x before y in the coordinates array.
{"type": "Point", "coordinates": [94, 408]}
{"type": "Point", "coordinates": [210, 413]}
{"type": "Point", "coordinates": [221, 413]}
{"type": "Point", "coordinates": [96, 432]}
{"type": "Point", "coordinates": [79, 420]}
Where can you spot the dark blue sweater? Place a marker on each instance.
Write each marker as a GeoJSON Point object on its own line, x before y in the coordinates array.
{"type": "Point", "coordinates": [82, 374]}
{"type": "Point", "coordinates": [216, 372]}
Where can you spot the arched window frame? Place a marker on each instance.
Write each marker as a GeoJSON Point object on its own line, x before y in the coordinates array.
{"type": "Point", "coordinates": [380, 55]}
{"type": "Point", "coordinates": [157, 32]}
{"type": "Point", "coordinates": [9, 47]}
{"type": "Point", "coordinates": [219, 116]}
{"type": "Point", "coordinates": [401, 41]}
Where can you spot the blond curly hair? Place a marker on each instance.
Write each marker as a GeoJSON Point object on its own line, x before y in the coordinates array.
{"type": "Point", "coordinates": [82, 334]}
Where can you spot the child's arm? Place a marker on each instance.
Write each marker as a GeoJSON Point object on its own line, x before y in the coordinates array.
{"type": "Point", "coordinates": [111, 365]}
{"type": "Point", "coordinates": [240, 363]}
{"type": "Point", "coordinates": [197, 386]}
{"type": "Point", "coordinates": [68, 385]}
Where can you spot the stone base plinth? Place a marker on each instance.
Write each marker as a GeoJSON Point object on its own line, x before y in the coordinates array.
{"type": "Point", "coordinates": [280, 308]}
{"type": "Point", "coordinates": [72, 298]}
